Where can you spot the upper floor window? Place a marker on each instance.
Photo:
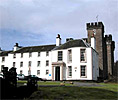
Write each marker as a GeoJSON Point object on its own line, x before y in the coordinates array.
{"type": "Point", "coordinates": [21, 64]}
{"type": "Point", "coordinates": [60, 55]}
{"type": "Point", "coordinates": [38, 63]}
{"type": "Point", "coordinates": [82, 55]}
{"type": "Point", "coordinates": [21, 55]}
{"type": "Point", "coordinates": [14, 55]}
{"type": "Point", "coordinates": [83, 71]}
{"type": "Point", "coordinates": [47, 53]}
{"type": "Point", "coordinates": [69, 71]}
{"type": "Point", "coordinates": [38, 54]}
{"type": "Point", "coordinates": [3, 59]}
{"type": "Point", "coordinates": [30, 54]}
{"type": "Point", "coordinates": [29, 64]}
{"type": "Point", "coordinates": [14, 64]}
{"type": "Point", "coordinates": [69, 55]}
{"type": "Point", "coordinates": [47, 62]}
{"type": "Point", "coordinates": [38, 72]}
{"type": "Point", "coordinates": [47, 72]}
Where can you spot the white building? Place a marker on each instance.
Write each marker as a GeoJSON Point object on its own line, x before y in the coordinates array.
{"type": "Point", "coordinates": [73, 60]}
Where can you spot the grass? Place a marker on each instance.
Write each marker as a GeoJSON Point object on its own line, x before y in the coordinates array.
{"type": "Point", "coordinates": [108, 91]}
{"type": "Point", "coordinates": [46, 83]}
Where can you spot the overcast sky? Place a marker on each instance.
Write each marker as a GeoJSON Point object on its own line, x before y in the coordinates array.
{"type": "Point", "coordinates": [37, 22]}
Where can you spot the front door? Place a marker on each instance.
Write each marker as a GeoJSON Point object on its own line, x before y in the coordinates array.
{"type": "Point", "coordinates": [57, 73]}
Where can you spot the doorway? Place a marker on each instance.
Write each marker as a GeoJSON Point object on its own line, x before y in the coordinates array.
{"type": "Point", "coordinates": [57, 73]}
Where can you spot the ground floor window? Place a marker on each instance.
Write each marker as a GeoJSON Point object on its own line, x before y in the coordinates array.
{"type": "Point", "coordinates": [29, 72]}
{"type": "Point", "coordinates": [47, 72]}
{"type": "Point", "coordinates": [83, 71]}
{"type": "Point", "coordinates": [21, 72]}
{"type": "Point", "coordinates": [38, 72]}
{"type": "Point", "coordinates": [69, 71]}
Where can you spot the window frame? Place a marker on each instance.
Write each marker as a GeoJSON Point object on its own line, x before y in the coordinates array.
{"type": "Point", "coordinates": [47, 53]}
{"type": "Point", "coordinates": [84, 72]}
{"type": "Point", "coordinates": [70, 55]}
{"type": "Point", "coordinates": [14, 64]}
{"type": "Point", "coordinates": [69, 71]}
{"type": "Point", "coordinates": [39, 54]}
{"type": "Point", "coordinates": [38, 63]}
{"type": "Point", "coordinates": [47, 62]}
{"type": "Point", "coordinates": [29, 64]}
{"type": "Point", "coordinates": [14, 55]}
{"type": "Point", "coordinates": [30, 54]}
{"type": "Point", "coordinates": [84, 55]}
{"type": "Point", "coordinates": [21, 64]}
{"type": "Point", "coordinates": [47, 72]}
{"type": "Point", "coordinates": [60, 57]}
{"type": "Point", "coordinates": [21, 55]}
{"type": "Point", "coordinates": [3, 59]}
{"type": "Point", "coordinates": [38, 72]}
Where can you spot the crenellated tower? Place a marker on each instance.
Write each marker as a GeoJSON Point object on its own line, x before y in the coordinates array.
{"type": "Point", "coordinates": [97, 29]}
{"type": "Point", "coordinates": [110, 46]}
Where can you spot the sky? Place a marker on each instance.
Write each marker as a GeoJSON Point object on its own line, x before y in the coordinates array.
{"type": "Point", "coordinates": [37, 22]}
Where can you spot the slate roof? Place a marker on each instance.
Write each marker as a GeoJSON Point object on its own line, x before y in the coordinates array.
{"type": "Point", "coordinates": [5, 53]}
{"type": "Point", "coordinates": [72, 43]}
{"type": "Point", "coordinates": [35, 49]}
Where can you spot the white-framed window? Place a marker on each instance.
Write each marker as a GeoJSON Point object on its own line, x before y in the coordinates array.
{"type": "Point", "coordinates": [21, 55]}
{"type": "Point", "coordinates": [38, 72]}
{"type": "Point", "coordinates": [29, 63]}
{"type": "Point", "coordinates": [14, 64]}
{"type": "Point", "coordinates": [47, 72]}
{"type": "Point", "coordinates": [47, 53]}
{"type": "Point", "coordinates": [38, 63]}
{"type": "Point", "coordinates": [69, 71]}
{"type": "Point", "coordinates": [3, 59]}
{"type": "Point", "coordinates": [83, 71]}
{"type": "Point", "coordinates": [83, 55]}
{"type": "Point", "coordinates": [39, 54]}
{"type": "Point", "coordinates": [47, 62]}
{"type": "Point", "coordinates": [14, 55]}
{"type": "Point", "coordinates": [69, 55]}
{"type": "Point", "coordinates": [30, 54]}
{"type": "Point", "coordinates": [60, 56]}
{"type": "Point", "coordinates": [21, 64]}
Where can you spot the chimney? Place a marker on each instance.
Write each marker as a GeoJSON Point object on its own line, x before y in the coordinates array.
{"type": "Point", "coordinates": [93, 42]}
{"type": "Point", "coordinates": [16, 47]}
{"type": "Point", "coordinates": [58, 40]}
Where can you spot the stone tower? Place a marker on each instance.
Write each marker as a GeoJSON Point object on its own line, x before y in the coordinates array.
{"type": "Point", "coordinates": [110, 46]}
{"type": "Point", "coordinates": [97, 29]}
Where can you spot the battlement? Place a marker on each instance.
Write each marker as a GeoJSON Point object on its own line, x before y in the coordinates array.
{"type": "Point", "coordinates": [95, 25]}
{"type": "Point", "coordinates": [108, 37]}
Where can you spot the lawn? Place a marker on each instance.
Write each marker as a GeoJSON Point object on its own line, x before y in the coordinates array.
{"type": "Point", "coordinates": [108, 91]}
